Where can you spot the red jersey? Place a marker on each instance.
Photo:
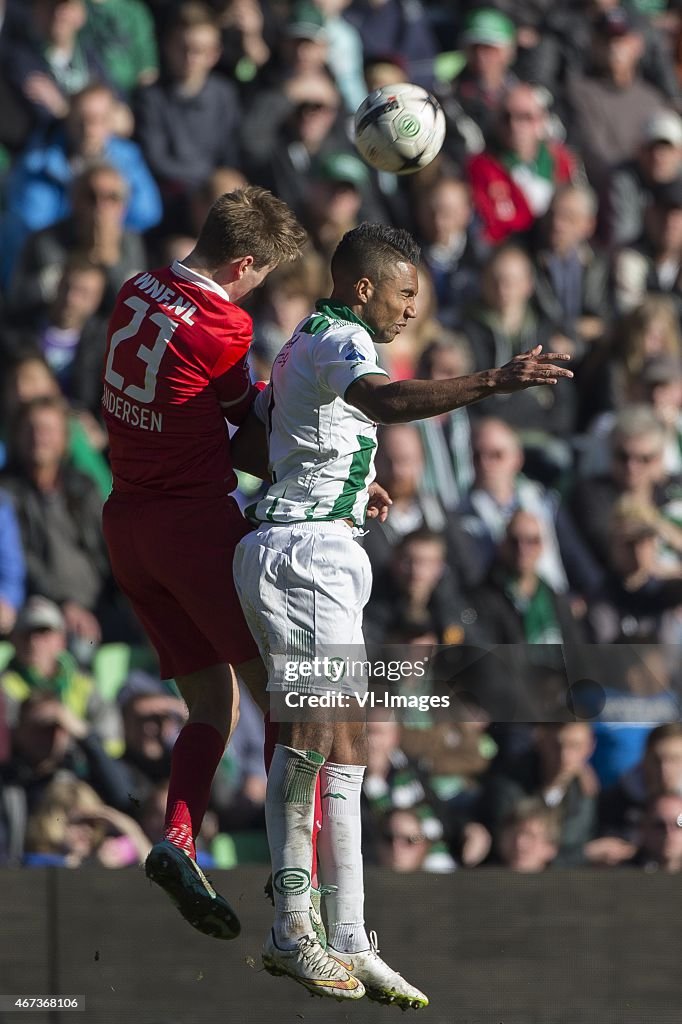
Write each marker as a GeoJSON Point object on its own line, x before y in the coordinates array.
{"type": "Point", "coordinates": [175, 367]}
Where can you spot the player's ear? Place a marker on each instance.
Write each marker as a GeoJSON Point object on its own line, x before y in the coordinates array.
{"type": "Point", "coordinates": [243, 265]}
{"type": "Point", "coordinates": [364, 289]}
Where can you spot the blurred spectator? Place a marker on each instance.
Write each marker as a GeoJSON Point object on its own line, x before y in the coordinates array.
{"type": "Point", "coordinates": [345, 57]}
{"type": "Point", "coordinates": [659, 771]}
{"type": "Point", "coordinates": [72, 337]}
{"type": "Point", "coordinates": [610, 375]}
{"type": "Point", "coordinates": [654, 264]}
{"type": "Point", "coordinates": [383, 69]}
{"type": "Point", "coordinates": [96, 229]}
{"type": "Point", "coordinates": [152, 718]}
{"type": "Point", "coordinates": [18, 118]}
{"type": "Point", "coordinates": [397, 26]}
{"type": "Point", "coordinates": [514, 179]}
{"type": "Point", "coordinates": [404, 847]}
{"type": "Point", "coordinates": [29, 377]}
{"type": "Point", "coordinates": [339, 184]}
{"type": "Point", "coordinates": [400, 468]}
{"type": "Point", "coordinates": [500, 489]}
{"type": "Point", "coordinates": [658, 384]}
{"type": "Point", "coordinates": [394, 781]}
{"type": "Point", "coordinates": [39, 186]}
{"type": "Point", "coordinates": [121, 32]}
{"type": "Point", "coordinates": [658, 161]}
{"type": "Point", "coordinates": [636, 446]}
{"type": "Point", "coordinates": [529, 837]}
{"type": "Point", "coordinates": [59, 511]}
{"type": "Point", "coordinates": [417, 594]}
{"type": "Point", "coordinates": [12, 566]}
{"type": "Point", "coordinates": [571, 279]}
{"type": "Point", "coordinates": [247, 35]}
{"type": "Point", "coordinates": [489, 41]}
{"type": "Point", "coordinates": [47, 741]}
{"type": "Point", "coordinates": [661, 835]}
{"type": "Point", "coordinates": [637, 694]}
{"type": "Point", "coordinates": [450, 247]}
{"type": "Point", "coordinates": [42, 664]}
{"type": "Point", "coordinates": [514, 604]}
{"type": "Point", "coordinates": [296, 128]}
{"type": "Point", "coordinates": [72, 826]}
{"type": "Point", "coordinates": [446, 440]}
{"type": "Point", "coordinates": [188, 122]}
{"type": "Point", "coordinates": [504, 323]}
{"type": "Point", "coordinates": [555, 774]}
{"type": "Point", "coordinates": [610, 102]}
{"type": "Point", "coordinates": [639, 589]}
{"type": "Point", "coordinates": [53, 60]}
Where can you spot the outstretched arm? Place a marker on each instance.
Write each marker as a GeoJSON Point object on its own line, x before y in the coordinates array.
{"type": "Point", "coordinates": [405, 400]}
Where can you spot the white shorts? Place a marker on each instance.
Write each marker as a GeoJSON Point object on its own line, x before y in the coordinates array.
{"type": "Point", "coordinates": [303, 588]}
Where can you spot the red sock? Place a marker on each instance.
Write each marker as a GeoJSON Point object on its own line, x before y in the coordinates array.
{"type": "Point", "coordinates": [317, 825]}
{"type": "Point", "coordinates": [271, 735]}
{"type": "Point", "coordinates": [196, 756]}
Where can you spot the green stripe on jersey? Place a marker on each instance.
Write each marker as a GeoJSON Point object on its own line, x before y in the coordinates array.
{"type": "Point", "coordinates": [355, 481]}
{"type": "Point", "coordinates": [316, 325]}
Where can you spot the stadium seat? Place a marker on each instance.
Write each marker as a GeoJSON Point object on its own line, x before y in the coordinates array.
{"type": "Point", "coordinates": [113, 663]}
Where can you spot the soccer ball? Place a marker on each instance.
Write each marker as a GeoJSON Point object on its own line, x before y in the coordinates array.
{"type": "Point", "coordinates": [399, 128]}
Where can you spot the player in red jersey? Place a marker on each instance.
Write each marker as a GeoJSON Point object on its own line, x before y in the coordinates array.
{"type": "Point", "coordinates": [175, 369]}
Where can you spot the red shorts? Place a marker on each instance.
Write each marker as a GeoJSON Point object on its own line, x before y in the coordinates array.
{"type": "Point", "coordinates": [172, 558]}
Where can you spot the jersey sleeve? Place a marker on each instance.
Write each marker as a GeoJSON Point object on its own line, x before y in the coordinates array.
{"type": "Point", "coordinates": [341, 357]}
{"type": "Point", "coordinates": [262, 403]}
{"type": "Point", "coordinates": [231, 378]}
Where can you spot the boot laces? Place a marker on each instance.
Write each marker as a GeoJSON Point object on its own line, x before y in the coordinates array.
{"type": "Point", "coordinates": [312, 955]}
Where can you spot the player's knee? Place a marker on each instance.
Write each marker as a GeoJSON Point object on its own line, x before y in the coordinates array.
{"type": "Point", "coordinates": [315, 736]}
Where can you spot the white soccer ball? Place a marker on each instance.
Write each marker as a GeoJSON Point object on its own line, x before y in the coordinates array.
{"type": "Point", "coordinates": [399, 128]}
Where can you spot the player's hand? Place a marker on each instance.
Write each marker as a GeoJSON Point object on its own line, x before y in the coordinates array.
{"type": "Point", "coordinates": [530, 369]}
{"type": "Point", "coordinates": [81, 622]}
{"type": "Point", "coordinates": [39, 88]}
{"type": "Point", "coordinates": [609, 850]}
{"type": "Point", "coordinates": [379, 503]}
{"type": "Point", "coordinates": [63, 717]}
{"type": "Point", "coordinates": [8, 616]}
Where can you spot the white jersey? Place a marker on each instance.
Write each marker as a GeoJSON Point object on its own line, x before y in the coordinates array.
{"type": "Point", "coordinates": [321, 449]}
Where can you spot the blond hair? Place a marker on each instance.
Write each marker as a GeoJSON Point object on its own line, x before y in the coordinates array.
{"type": "Point", "coordinates": [250, 221]}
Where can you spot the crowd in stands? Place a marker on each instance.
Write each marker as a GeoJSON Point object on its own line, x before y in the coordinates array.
{"type": "Point", "coordinates": [553, 216]}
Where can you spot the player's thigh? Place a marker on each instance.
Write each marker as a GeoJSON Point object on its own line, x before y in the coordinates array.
{"type": "Point", "coordinates": [141, 572]}
{"type": "Point", "coordinates": [198, 572]}
{"type": "Point", "coordinates": [324, 585]}
{"type": "Point", "coordinates": [258, 565]}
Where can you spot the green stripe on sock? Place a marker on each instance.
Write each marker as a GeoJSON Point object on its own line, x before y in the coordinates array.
{"type": "Point", "coordinates": [300, 777]}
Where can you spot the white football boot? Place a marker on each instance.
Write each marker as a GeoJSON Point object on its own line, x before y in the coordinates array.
{"type": "Point", "coordinates": [312, 967]}
{"type": "Point", "coordinates": [382, 983]}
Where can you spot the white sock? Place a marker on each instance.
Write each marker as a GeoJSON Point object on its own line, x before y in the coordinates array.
{"type": "Point", "coordinates": [289, 810]}
{"type": "Point", "coordinates": [339, 849]}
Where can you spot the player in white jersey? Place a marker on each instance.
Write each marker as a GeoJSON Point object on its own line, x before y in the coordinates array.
{"type": "Point", "coordinates": [303, 581]}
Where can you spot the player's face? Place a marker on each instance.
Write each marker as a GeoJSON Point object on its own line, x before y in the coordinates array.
{"type": "Point", "coordinates": [393, 302]}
